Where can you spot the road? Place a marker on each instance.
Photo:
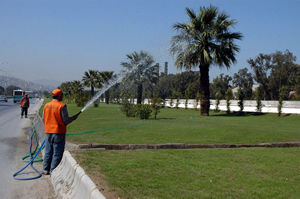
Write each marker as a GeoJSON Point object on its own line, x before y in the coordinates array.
{"type": "Point", "coordinates": [14, 144]}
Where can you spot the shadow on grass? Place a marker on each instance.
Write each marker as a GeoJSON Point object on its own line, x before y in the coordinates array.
{"type": "Point", "coordinates": [163, 118]}
{"type": "Point", "coordinates": [234, 114]}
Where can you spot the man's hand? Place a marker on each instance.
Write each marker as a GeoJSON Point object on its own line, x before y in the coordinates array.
{"type": "Point", "coordinates": [76, 116]}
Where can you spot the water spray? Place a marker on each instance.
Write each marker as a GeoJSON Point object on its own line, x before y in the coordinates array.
{"type": "Point", "coordinates": [117, 79]}
{"type": "Point", "coordinates": [110, 83]}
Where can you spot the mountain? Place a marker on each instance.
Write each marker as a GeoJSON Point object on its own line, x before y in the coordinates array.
{"type": "Point", "coordinates": [47, 82]}
{"type": "Point", "coordinates": [23, 84]}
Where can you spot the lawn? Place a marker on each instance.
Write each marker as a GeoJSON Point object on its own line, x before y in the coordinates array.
{"type": "Point", "coordinates": [199, 173]}
{"type": "Point", "coordinates": [106, 124]}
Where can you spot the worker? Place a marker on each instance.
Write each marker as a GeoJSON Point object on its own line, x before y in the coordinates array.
{"type": "Point", "coordinates": [24, 104]}
{"type": "Point", "coordinates": [56, 118]}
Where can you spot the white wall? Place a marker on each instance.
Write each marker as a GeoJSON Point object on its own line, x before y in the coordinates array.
{"type": "Point", "coordinates": [292, 107]}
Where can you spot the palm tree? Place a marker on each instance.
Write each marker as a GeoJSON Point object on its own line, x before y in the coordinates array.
{"type": "Point", "coordinates": [203, 41]}
{"type": "Point", "coordinates": [76, 87]}
{"type": "Point", "coordinates": [104, 78]}
{"type": "Point", "coordinates": [90, 79]}
{"type": "Point", "coordinates": [66, 87]}
{"type": "Point", "coordinates": [140, 66]}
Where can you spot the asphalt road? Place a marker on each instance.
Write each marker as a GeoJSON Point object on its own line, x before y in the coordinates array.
{"type": "Point", "coordinates": [14, 144]}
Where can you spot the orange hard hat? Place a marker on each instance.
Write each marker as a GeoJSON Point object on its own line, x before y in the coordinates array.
{"type": "Point", "coordinates": [56, 92]}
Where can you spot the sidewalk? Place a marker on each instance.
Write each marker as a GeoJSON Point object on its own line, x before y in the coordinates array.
{"type": "Point", "coordinates": [41, 188]}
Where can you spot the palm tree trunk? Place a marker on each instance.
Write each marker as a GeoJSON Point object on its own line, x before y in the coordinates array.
{"type": "Point", "coordinates": [92, 91]}
{"type": "Point", "coordinates": [204, 90]}
{"type": "Point", "coordinates": [139, 93]}
{"type": "Point", "coordinates": [107, 97]}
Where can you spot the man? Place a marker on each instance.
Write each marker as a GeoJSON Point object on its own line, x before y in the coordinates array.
{"type": "Point", "coordinates": [56, 118]}
{"type": "Point", "coordinates": [24, 105]}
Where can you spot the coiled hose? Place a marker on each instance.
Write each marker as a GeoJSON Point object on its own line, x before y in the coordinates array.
{"type": "Point", "coordinates": [33, 157]}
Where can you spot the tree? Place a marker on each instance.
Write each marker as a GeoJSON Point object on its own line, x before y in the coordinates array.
{"type": "Point", "coordinates": [218, 98]}
{"type": "Point", "coordinates": [297, 86]}
{"type": "Point", "coordinates": [156, 106]}
{"type": "Point", "coordinates": [150, 83]}
{"type": "Point", "coordinates": [203, 41]}
{"type": "Point", "coordinates": [176, 95]}
{"type": "Point", "coordinates": [260, 66]}
{"type": "Point", "coordinates": [90, 79]}
{"type": "Point", "coordinates": [103, 78]}
{"type": "Point", "coordinates": [2, 90]}
{"type": "Point", "coordinates": [282, 96]}
{"type": "Point", "coordinates": [197, 99]}
{"type": "Point", "coordinates": [140, 66]}
{"type": "Point", "coordinates": [10, 88]}
{"type": "Point", "coordinates": [66, 87]}
{"type": "Point", "coordinates": [244, 81]}
{"type": "Point", "coordinates": [165, 86]}
{"type": "Point", "coordinates": [241, 97]}
{"type": "Point", "coordinates": [220, 84]}
{"type": "Point", "coordinates": [259, 92]}
{"type": "Point", "coordinates": [76, 87]}
{"type": "Point", "coordinates": [187, 96]}
{"type": "Point", "coordinates": [46, 93]}
{"type": "Point", "coordinates": [283, 72]}
{"type": "Point", "coordinates": [228, 97]}
{"type": "Point", "coordinates": [272, 71]}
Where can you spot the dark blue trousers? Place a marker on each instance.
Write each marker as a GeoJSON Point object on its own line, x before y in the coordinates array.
{"type": "Point", "coordinates": [54, 149]}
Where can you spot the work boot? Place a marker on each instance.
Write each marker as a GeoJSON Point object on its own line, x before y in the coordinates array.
{"type": "Point", "coordinates": [25, 116]}
{"type": "Point", "coordinates": [46, 172]}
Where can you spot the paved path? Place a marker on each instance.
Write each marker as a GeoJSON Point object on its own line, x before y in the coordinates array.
{"type": "Point", "coordinates": [14, 142]}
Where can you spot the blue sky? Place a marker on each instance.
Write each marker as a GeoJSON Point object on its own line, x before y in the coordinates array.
{"type": "Point", "coordinates": [60, 39]}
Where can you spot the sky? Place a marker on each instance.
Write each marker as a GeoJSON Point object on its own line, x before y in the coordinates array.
{"type": "Point", "coordinates": [61, 39]}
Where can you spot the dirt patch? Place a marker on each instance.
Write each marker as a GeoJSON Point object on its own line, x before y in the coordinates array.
{"type": "Point", "coordinates": [185, 146]}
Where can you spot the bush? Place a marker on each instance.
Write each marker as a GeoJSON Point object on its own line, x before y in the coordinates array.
{"type": "Point", "coordinates": [176, 96]}
{"type": "Point", "coordinates": [218, 98]}
{"type": "Point", "coordinates": [171, 102]}
{"type": "Point", "coordinates": [143, 111]}
{"type": "Point", "coordinates": [228, 97]}
{"type": "Point", "coordinates": [81, 101]}
{"type": "Point", "coordinates": [96, 103]}
{"type": "Point", "coordinates": [128, 108]}
{"type": "Point", "coordinates": [241, 97]}
{"type": "Point", "coordinates": [282, 96]}
{"type": "Point", "coordinates": [259, 95]}
{"type": "Point", "coordinates": [197, 100]}
{"type": "Point", "coordinates": [156, 105]}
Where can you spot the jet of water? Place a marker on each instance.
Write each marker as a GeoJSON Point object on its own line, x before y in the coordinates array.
{"type": "Point", "coordinates": [117, 79]}
{"type": "Point", "coordinates": [111, 83]}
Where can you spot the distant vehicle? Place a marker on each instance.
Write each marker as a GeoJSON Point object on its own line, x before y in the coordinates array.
{"type": "Point", "coordinates": [17, 95]}
{"type": "Point", "coordinates": [30, 94]}
{"type": "Point", "coordinates": [3, 98]}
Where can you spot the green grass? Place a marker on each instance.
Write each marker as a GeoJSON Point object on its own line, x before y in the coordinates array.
{"type": "Point", "coordinates": [203, 173]}
{"type": "Point", "coordinates": [181, 126]}
{"type": "Point", "coordinates": [198, 173]}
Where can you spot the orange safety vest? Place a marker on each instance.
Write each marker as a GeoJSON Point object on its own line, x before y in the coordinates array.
{"type": "Point", "coordinates": [52, 117]}
{"type": "Point", "coordinates": [22, 102]}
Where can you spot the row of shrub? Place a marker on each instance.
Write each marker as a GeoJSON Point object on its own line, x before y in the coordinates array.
{"type": "Point", "coordinates": [142, 111]}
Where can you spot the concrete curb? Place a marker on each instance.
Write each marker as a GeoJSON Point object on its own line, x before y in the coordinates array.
{"type": "Point", "coordinates": [185, 146]}
{"type": "Point", "coordinates": [71, 182]}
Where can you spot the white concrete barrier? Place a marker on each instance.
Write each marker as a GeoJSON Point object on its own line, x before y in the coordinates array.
{"type": "Point", "coordinates": [71, 182]}
{"type": "Point", "coordinates": [289, 107]}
